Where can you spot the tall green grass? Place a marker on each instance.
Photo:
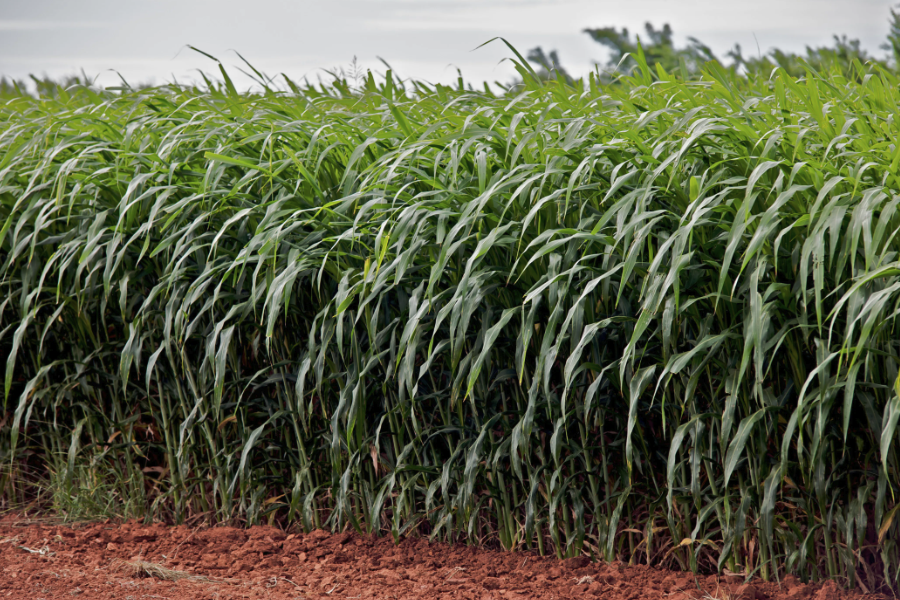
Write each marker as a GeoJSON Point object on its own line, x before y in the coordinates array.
{"type": "Point", "coordinates": [653, 320]}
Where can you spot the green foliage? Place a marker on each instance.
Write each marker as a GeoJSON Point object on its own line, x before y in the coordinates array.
{"type": "Point", "coordinates": [654, 320]}
{"type": "Point", "coordinates": [93, 491]}
{"type": "Point", "coordinates": [42, 87]}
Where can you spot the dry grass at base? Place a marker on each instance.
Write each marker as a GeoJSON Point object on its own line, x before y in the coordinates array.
{"type": "Point", "coordinates": [143, 568]}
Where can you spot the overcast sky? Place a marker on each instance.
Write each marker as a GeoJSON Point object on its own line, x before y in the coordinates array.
{"type": "Point", "coordinates": [146, 40]}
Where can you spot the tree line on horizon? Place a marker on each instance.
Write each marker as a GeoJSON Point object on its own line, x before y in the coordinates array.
{"type": "Point", "coordinates": [659, 49]}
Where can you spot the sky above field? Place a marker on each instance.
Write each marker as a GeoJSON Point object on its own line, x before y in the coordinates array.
{"type": "Point", "coordinates": [426, 39]}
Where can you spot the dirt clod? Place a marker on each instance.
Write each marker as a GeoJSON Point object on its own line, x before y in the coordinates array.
{"type": "Point", "coordinates": [577, 562]}
{"type": "Point", "coordinates": [746, 592]}
{"type": "Point", "coordinates": [828, 591]}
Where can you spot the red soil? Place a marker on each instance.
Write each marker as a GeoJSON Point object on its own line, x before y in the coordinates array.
{"type": "Point", "coordinates": [41, 561]}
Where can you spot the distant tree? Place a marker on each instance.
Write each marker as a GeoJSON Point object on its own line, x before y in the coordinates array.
{"type": "Point", "coordinates": [893, 40]}
{"type": "Point", "coordinates": [549, 66]}
{"type": "Point", "coordinates": [839, 57]}
{"type": "Point", "coordinates": [659, 48]}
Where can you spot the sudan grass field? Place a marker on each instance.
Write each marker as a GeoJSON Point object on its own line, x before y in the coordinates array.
{"type": "Point", "coordinates": [653, 319]}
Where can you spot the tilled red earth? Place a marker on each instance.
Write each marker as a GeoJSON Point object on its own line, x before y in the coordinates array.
{"type": "Point", "coordinates": [41, 561]}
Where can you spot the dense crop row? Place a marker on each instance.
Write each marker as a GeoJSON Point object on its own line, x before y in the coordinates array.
{"type": "Point", "coordinates": [653, 320]}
